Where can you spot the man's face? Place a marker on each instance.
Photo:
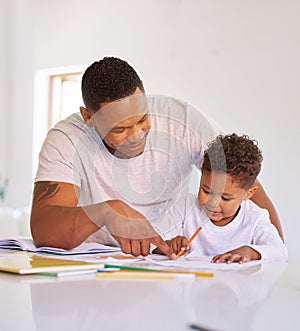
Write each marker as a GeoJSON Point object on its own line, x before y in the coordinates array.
{"type": "Point", "coordinates": [124, 125]}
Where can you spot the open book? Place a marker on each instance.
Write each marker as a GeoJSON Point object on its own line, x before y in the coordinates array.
{"type": "Point", "coordinates": [27, 245]}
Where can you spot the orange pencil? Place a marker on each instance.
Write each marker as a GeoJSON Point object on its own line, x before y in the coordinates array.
{"type": "Point", "coordinates": [182, 250]}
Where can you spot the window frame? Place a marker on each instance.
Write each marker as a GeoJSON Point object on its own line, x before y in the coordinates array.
{"type": "Point", "coordinates": [42, 109]}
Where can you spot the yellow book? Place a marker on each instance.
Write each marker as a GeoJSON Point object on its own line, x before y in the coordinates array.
{"type": "Point", "coordinates": [24, 264]}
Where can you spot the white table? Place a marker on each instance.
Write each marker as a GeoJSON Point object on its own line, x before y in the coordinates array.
{"type": "Point", "coordinates": [263, 297]}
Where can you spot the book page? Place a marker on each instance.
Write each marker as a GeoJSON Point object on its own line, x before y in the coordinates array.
{"type": "Point", "coordinates": [194, 261]}
{"type": "Point", "coordinates": [26, 244]}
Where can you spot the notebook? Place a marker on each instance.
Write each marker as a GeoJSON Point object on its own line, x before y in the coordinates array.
{"type": "Point", "coordinates": [27, 245]}
{"type": "Point", "coordinates": [25, 263]}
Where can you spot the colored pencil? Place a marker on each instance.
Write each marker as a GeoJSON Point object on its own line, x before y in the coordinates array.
{"type": "Point", "coordinates": [132, 269]}
{"type": "Point", "coordinates": [189, 241]}
{"type": "Point", "coordinates": [135, 274]}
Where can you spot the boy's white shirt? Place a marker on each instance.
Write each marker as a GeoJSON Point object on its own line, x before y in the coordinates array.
{"type": "Point", "coordinates": [251, 227]}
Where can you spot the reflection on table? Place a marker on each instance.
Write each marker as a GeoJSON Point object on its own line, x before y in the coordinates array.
{"type": "Point", "coordinates": [261, 297]}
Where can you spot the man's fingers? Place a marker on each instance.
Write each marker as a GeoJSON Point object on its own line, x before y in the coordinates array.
{"type": "Point", "coordinates": [136, 249]}
{"type": "Point", "coordinates": [164, 247]}
{"type": "Point", "coordinates": [145, 247]}
{"type": "Point", "coordinates": [124, 244]}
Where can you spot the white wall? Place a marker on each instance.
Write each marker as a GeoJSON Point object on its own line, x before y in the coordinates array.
{"type": "Point", "coordinates": [236, 60]}
{"type": "Point", "coordinates": [3, 90]}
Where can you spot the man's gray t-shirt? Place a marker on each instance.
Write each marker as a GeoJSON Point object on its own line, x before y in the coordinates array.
{"type": "Point", "coordinates": [152, 182]}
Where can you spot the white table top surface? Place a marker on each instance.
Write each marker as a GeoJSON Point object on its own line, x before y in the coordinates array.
{"type": "Point", "coordinates": [259, 298]}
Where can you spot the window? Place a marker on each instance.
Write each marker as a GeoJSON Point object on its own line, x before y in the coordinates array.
{"type": "Point", "coordinates": [57, 94]}
{"type": "Point", "coordinates": [64, 96]}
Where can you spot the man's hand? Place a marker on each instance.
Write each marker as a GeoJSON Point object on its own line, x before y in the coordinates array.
{"type": "Point", "coordinates": [138, 247]}
{"type": "Point", "coordinates": [132, 231]}
{"type": "Point", "coordinates": [176, 244]}
{"type": "Point", "coordinates": [240, 255]}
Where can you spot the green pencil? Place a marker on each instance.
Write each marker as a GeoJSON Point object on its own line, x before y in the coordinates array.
{"type": "Point", "coordinates": [131, 268]}
{"type": "Point", "coordinates": [125, 267]}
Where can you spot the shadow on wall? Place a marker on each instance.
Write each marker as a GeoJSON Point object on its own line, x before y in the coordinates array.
{"type": "Point", "coordinates": [14, 222]}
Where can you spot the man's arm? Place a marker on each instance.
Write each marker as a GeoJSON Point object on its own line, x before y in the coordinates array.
{"type": "Point", "coordinates": [57, 221]}
{"type": "Point", "coordinates": [262, 200]}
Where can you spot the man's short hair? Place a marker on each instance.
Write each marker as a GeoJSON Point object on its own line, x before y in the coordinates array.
{"type": "Point", "coordinates": [108, 80]}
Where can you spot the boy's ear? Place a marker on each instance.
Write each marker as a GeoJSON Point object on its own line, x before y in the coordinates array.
{"type": "Point", "coordinates": [250, 192]}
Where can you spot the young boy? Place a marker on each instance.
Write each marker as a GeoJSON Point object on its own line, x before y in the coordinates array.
{"type": "Point", "coordinates": [234, 229]}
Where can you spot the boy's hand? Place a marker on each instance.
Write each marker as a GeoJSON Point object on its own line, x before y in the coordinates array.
{"type": "Point", "coordinates": [175, 244]}
{"type": "Point", "coordinates": [240, 255]}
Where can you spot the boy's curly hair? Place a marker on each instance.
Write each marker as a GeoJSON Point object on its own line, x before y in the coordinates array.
{"type": "Point", "coordinates": [109, 79]}
{"type": "Point", "coordinates": [238, 156]}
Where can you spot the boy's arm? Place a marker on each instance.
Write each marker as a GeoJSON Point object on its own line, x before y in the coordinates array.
{"type": "Point", "coordinates": [266, 244]}
{"type": "Point", "coordinates": [241, 255]}
{"type": "Point", "coordinates": [267, 241]}
{"type": "Point", "coordinates": [57, 221]}
{"type": "Point", "coordinates": [262, 200]}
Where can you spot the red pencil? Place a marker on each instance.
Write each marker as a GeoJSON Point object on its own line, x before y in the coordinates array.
{"type": "Point", "coordinates": [182, 250]}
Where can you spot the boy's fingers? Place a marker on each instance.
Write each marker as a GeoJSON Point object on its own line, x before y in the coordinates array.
{"type": "Point", "coordinates": [184, 242]}
{"type": "Point", "coordinates": [220, 258]}
{"type": "Point", "coordinates": [174, 246]}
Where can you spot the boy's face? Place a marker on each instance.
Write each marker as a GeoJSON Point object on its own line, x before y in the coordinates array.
{"type": "Point", "coordinates": [220, 196]}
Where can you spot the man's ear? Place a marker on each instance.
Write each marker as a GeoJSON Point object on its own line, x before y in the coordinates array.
{"type": "Point", "coordinates": [250, 192]}
{"type": "Point", "coordinates": [86, 114]}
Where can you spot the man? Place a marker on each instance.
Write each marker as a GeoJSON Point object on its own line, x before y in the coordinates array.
{"type": "Point", "coordinates": [109, 174]}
